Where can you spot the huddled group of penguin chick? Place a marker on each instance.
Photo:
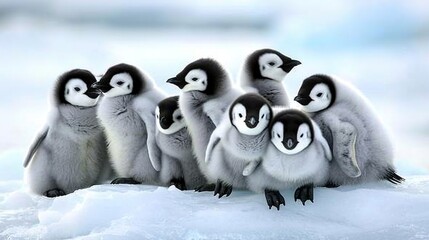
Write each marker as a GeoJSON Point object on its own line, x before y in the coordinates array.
{"type": "Point", "coordinates": [213, 137]}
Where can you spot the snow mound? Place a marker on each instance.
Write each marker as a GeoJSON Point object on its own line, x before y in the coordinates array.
{"type": "Point", "coordinates": [376, 211]}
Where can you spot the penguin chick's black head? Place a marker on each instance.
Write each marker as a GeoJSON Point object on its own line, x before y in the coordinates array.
{"type": "Point", "coordinates": [166, 110]}
{"type": "Point", "coordinates": [137, 77]}
{"type": "Point", "coordinates": [308, 85]}
{"type": "Point", "coordinates": [86, 76]}
{"type": "Point", "coordinates": [252, 103]}
{"type": "Point", "coordinates": [252, 62]}
{"type": "Point", "coordinates": [291, 120]}
{"type": "Point", "coordinates": [217, 78]}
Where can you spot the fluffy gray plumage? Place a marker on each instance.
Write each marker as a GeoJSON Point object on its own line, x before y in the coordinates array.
{"type": "Point", "coordinates": [361, 147]}
{"type": "Point", "coordinates": [71, 151]}
{"type": "Point", "coordinates": [129, 123]}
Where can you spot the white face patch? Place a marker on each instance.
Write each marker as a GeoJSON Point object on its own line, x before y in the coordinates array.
{"type": "Point", "coordinates": [303, 137]}
{"type": "Point", "coordinates": [269, 65]}
{"type": "Point", "coordinates": [122, 84]}
{"type": "Point", "coordinates": [321, 96]}
{"type": "Point", "coordinates": [196, 79]}
{"type": "Point", "coordinates": [178, 122]}
{"type": "Point", "coordinates": [74, 93]}
{"type": "Point", "coordinates": [239, 120]}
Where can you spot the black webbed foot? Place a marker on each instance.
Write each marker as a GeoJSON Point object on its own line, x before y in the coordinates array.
{"type": "Point", "coordinates": [304, 193]}
{"type": "Point", "coordinates": [222, 189]}
{"type": "Point", "coordinates": [56, 192]}
{"type": "Point", "coordinates": [392, 177]}
{"type": "Point", "coordinates": [208, 187]}
{"type": "Point", "coordinates": [179, 183]}
{"type": "Point", "coordinates": [274, 198]}
{"type": "Point", "coordinates": [331, 185]}
{"type": "Point", "coordinates": [125, 181]}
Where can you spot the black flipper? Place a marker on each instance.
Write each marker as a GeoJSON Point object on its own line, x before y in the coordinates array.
{"type": "Point", "coordinates": [392, 177]}
{"type": "Point", "coordinates": [125, 181]}
{"type": "Point", "coordinates": [35, 146]}
{"type": "Point", "coordinates": [274, 198]}
{"type": "Point", "coordinates": [222, 189]}
{"type": "Point", "coordinates": [179, 183]}
{"type": "Point", "coordinates": [304, 193]}
{"type": "Point", "coordinates": [56, 192]}
{"type": "Point", "coordinates": [208, 187]}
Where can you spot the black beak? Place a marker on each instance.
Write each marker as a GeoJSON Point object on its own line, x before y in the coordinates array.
{"type": "Point", "coordinates": [177, 82]}
{"type": "Point", "coordinates": [252, 122]}
{"type": "Point", "coordinates": [101, 87]}
{"type": "Point", "coordinates": [290, 144]}
{"type": "Point", "coordinates": [164, 122]}
{"type": "Point", "coordinates": [287, 66]}
{"type": "Point", "coordinates": [304, 101]}
{"type": "Point", "coordinates": [93, 92]}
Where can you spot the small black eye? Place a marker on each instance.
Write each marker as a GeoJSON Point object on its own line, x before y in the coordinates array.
{"type": "Point", "coordinates": [271, 63]}
{"type": "Point", "coordinates": [68, 91]}
{"type": "Point", "coordinates": [120, 83]}
{"type": "Point", "coordinates": [302, 135]}
{"type": "Point", "coordinates": [278, 135]}
{"type": "Point", "coordinates": [157, 116]}
{"type": "Point", "coordinates": [263, 115]}
{"type": "Point", "coordinates": [319, 94]}
{"type": "Point", "coordinates": [194, 79]}
{"type": "Point", "coordinates": [240, 115]}
{"type": "Point", "coordinates": [77, 89]}
{"type": "Point", "coordinates": [179, 117]}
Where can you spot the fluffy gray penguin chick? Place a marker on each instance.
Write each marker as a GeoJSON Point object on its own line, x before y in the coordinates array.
{"type": "Point", "coordinates": [70, 153]}
{"type": "Point", "coordinates": [237, 145]}
{"type": "Point", "coordinates": [263, 72]}
{"type": "Point", "coordinates": [127, 113]}
{"type": "Point", "coordinates": [298, 156]}
{"type": "Point", "coordinates": [179, 166]}
{"type": "Point", "coordinates": [206, 95]}
{"type": "Point", "coordinates": [361, 147]}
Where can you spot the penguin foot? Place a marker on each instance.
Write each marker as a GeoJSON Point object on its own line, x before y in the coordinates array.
{"type": "Point", "coordinates": [179, 183]}
{"type": "Point", "coordinates": [392, 177]}
{"type": "Point", "coordinates": [206, 188]}
{"type": "Point", "coordinates": [56, 192]}
{"type": "Point", "coordinates": [125, 181]}
{"type": "Point", "coordinates": [222, 189]}
{"type": "Point", "coordinates": [331, 185]}
{"type": "Point", "coordinates": [274, 198]}
{"type": "Point", "coordinates": [304, 193]}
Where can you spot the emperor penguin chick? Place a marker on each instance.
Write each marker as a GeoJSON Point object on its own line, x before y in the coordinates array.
{"type": "Point", "coordinates": [179, 166]}
{"type": "Point", "coordinates": [237, 145]}
{"type": "Point", "coordinates": [206, 94]}
{"type": "Point", "coordinates": [70, 153]}
{"type": "Point", "coordinates": [298, 156]}
{"type": "Point", "coordinates": [127, 113]}
{"type": "Point", "coordinates": [359, 142]}
{"type": "Point", "coordinates": [263, 72]}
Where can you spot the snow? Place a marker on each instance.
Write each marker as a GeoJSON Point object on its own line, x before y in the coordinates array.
{"type": "Point", "coordinates": [362, 42]}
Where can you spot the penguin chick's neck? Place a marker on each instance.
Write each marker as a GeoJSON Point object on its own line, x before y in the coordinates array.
{"type": "Point", "coordinates": [80, 119]}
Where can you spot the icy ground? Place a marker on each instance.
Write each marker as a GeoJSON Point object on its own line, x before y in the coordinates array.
{"type": "Point", "coordinates": [371, 211]}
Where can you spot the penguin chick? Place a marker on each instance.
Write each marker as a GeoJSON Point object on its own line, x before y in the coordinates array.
{"type": "Point", "coordinates": [179, 166]}
{"type": "Point", "coordinates": [70, 153]}
{"type": "Point", "coordinates": [360, 144]}
{"type": "Point", "coordinates": [206, 95]}
{"type": "Point", "coordinates": [127, 113]}
{"type": "Point", "coordinates": [263, 72]}
{"type": "Point", "coordinates": [298, 156]}
{"type": "Point", "coordinates": [237, 145]}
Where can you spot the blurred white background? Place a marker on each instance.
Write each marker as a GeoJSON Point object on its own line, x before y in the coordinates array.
{"type": "Point", "coordinates": [380, 46]}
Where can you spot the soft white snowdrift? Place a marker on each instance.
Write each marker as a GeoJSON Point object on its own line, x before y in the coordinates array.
{"type": "Point", "coordinates": [372, 211]}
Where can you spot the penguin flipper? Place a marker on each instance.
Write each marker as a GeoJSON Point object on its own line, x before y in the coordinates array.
{"type": "Point", "coordinates": [216, 136]}
{"type": "Point", "coordinates": [250, 168]}
{"type": "Point", "coordinates": [147, 114]}
{"type": "Point", "coordinates": [344, 149]}
{"type": "Point", "coordinates": [33, 148]}
{"type": "Point", "coordinates": [212, 144]}
{"type": "Point", "coordinates": [325, 146]}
